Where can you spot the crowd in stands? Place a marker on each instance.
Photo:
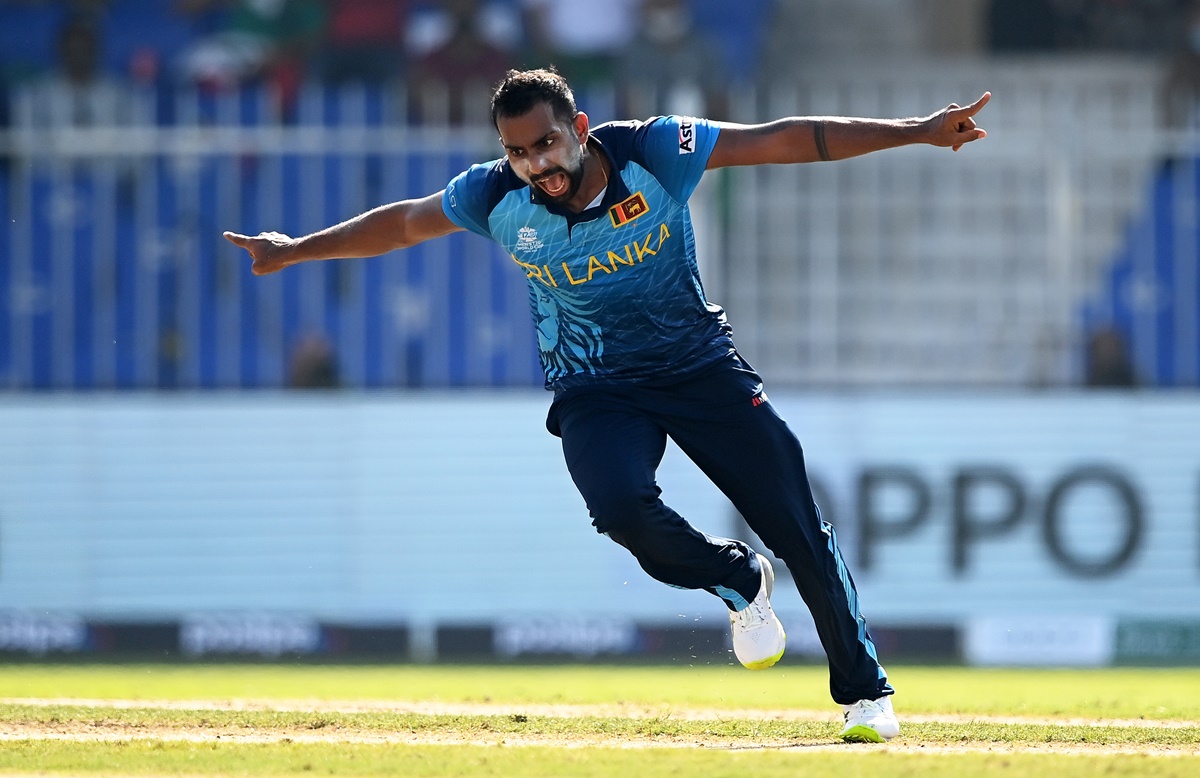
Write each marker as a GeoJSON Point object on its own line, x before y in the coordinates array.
{"type": "Point", "coordinates": [688, 54]}
{"type": "Point", "coordinates": [85, 63]}
{"type": "Point", "coordinates": [76, 56]}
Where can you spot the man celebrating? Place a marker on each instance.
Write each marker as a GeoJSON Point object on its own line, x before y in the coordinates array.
{"type": "Point", "coordinates": [598, 221]}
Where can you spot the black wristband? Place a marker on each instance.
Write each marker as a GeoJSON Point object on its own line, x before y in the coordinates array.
{"type": "Point", "coordinates": [819, 137]}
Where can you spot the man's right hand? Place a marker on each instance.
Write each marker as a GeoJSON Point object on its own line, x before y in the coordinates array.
{"type": "Point", "coordinates": [269, 250]}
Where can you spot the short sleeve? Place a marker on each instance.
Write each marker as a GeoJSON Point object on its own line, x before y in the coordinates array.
{"type": "Point", "coordinates": [465, 201]}
{"type": "Point", "coordinates": [676, 150]}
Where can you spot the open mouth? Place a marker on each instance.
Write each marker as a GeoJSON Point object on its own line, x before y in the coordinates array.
{"type": "Point", "coordinates": [555, 184]}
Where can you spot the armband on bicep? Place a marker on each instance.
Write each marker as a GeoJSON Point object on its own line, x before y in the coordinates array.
{"type": "Point", "coordinates": [819, 137]}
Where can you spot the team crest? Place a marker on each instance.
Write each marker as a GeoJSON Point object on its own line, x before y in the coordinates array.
{"type": "Point", "coordinates": [628, 210]}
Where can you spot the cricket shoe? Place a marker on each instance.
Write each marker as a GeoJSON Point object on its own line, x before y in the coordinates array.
{"type": "Point", "coordinates": [758, 637]}
{"type": "Point", "coordinates": [870, 721]}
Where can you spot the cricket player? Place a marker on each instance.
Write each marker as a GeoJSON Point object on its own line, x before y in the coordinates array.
{"type": "Point", "coordinates": [597, 220]}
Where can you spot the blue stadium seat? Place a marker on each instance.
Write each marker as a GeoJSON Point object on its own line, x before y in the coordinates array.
{"type": "Point", "coordinates": [1151, 290]}
{"type": "Point", "coordinates": [28, 35]}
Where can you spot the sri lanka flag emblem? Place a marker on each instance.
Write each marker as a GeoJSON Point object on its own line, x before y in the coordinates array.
{"type": "Point", "coordinates": [628, 210]}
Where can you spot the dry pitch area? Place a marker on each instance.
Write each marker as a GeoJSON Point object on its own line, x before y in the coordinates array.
{"type": "Point", "coordinates": [586, 721]}
{"type": "Point", "coordinates": [100, 728]}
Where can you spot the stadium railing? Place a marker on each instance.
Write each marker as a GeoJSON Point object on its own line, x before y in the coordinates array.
{"type": "Point", "coordinates": [909, 268]}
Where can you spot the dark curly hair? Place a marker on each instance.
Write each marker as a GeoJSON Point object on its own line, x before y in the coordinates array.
{"type": "Point", "coordinates": [520, 90]}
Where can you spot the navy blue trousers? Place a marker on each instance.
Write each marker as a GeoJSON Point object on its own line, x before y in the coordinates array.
{"type": "Point", "coordinates": [614, 438]}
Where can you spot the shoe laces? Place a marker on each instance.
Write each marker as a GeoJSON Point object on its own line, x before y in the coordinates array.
{"type": "Point", "coordinates": [865, 709]}
{"type": "Point", "coordinates": [753, 615]}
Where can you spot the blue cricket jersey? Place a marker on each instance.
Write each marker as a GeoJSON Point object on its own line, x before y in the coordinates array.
{"type": "Point", "coordinates": [615, 291]}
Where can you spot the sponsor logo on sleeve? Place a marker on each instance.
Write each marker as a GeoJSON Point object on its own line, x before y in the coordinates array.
{"type": "Point", "coordinates": [687, 137]}
{"type": "Point", "coordinates": [629, 209]}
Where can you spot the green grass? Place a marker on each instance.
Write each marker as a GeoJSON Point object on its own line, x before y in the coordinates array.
{"type": "Point", "coordinates": [304, 759]}
{"type": "Point", "coordinates": [690, 721]}
{"type": "Point", "coordinates": [1126, 693]}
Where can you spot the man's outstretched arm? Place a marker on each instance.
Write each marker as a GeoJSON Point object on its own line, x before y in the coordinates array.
{"type": "Point", "coordinates": [816, 138]}
{"type": "Point", "coordinates": [386, 228]}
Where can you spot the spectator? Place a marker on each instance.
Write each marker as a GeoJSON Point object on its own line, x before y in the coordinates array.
{"type": "Point", "coordinates": [1181, 88]}
{"type": "Point", "coordinates": [313, 364]}
{"type": "Point", "coordinates": [76, 93]}
{"type": "Point", "coordinates": [444, 80]}
{"type": "Point", "coordinates": [364, 41]}
{"type": "Point", "coordinates": [268, 40]}
{"type": "Point", "coordinates": [1108, 360]}
{"type": "Point", "coordinates": [668, 67]}
{"type": "Point", "coordinates": [581, 40]}
{"type": "Point", "coordinates": [431, 24]}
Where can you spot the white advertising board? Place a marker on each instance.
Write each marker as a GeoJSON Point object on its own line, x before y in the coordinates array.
{"type": "Point", "coordinates": [456, 506]}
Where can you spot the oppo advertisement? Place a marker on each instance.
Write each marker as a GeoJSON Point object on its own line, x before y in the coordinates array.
{"type": "Point", "coordinates": [1040, 528]}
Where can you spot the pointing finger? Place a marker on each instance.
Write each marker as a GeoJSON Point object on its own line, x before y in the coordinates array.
{"type": "Point", "coordinates": [976, 106]}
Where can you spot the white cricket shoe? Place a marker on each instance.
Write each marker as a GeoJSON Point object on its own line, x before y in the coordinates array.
{"type": "Point", "coordinates": [870, 721]}
{"type": "Point", "coordinates": [758, 637]}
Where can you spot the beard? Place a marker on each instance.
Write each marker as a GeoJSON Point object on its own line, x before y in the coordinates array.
{"type": "Point", "coordinates": [573, 179]}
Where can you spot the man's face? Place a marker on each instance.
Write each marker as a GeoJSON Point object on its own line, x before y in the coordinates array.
{"type": "Point", "coordinates": [545, 151]}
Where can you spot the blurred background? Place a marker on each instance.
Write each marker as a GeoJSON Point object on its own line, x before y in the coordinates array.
{"type": "Point", "coordinates": [992, 357]}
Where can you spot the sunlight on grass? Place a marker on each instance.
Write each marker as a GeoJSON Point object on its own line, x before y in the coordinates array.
{"type": "Point", "coordinates": [710, 721]}
{"type": "Point", "coordinates": [1149, 693]}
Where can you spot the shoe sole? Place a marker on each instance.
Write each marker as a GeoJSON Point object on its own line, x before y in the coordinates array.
{"type": "Point", "coordinates": [770, 661]}
{"type": "Point", "coordinates": [763, 664]}
{"type": "Point", "coordinates": [862, 734]}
